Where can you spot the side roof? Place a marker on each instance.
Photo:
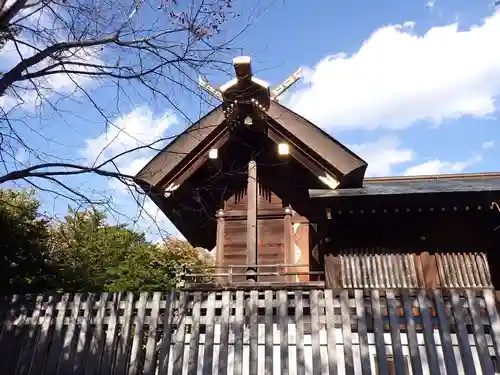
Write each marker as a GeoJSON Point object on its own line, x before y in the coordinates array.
{"type": "Point", "coordinates": [409, 185]}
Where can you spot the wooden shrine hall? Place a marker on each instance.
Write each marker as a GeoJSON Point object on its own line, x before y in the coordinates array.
{"type": "Point", "coordinates": [281, 201]}
{"type": "Point", "coordinates": [319, 270]}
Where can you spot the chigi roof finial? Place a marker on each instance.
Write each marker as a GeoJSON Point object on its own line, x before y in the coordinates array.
{"type": "Point", "coordinates": [246, 98]}
{"type": "Point", "coordinates": [243, 69]}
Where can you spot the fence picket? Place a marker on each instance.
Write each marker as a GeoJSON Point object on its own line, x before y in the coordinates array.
{"type": "Point", "coordinates": [364, 348]}
{"type": "Point", "coordinates": [111, 336]}
{"type": "Point", "coordinates": [491, 308]}
{"type": "Point", "coordinates": [283, 324]}
{"type": "Point", "coordinates": [195, 336]}
{"type": "Point", "coordinates": [180, 335]}
{"type": "Point", "coordinates": [411, 332]}
{"type": "Point", "coordinates": [82, 347]}
{"type": "Point", "coordinates": [254, 332]}
{"type": "Point", "coordinates": [479, 337]}
{"type": "Point", "coordinates": [430, 344]}
{"type": "Point", "coordinates": [463, 339]}
{"type": "Point", "coordinates": [378, 329]}
{"type": "Point", "coordinates": [208, 354]}
{"type": "Point", "coordinates": [315, 339]}
{"type": "Point", "coordinates": [96, 345]}
{"type": "Point", "coordinates": [65, 364]}
{"type": "Point", "coordinates": [268, 350]}
{"type": "Point", "coordinates": [238, 335]}
{"type": "Point", "coordinates": [55, 347]}
{"type": "Point", "coordinates": [299, 331]}
{"type": "Point", "coordinates": [346, 332]}
{"type": "Point", "coordinates": [150, 357]}
{"type": "Point", "coordinates": [224, 333]}
{"type": "Point", "coordinates": [26, 354]}
{"type": "Point", "coordinates": [445, 334]}
{"type": "Point", "coordinates": [137, 342]}
{"type": "Point", "coordinates": [397, 350]}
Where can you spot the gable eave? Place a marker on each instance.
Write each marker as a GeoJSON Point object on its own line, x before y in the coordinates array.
{"type": "Point", "coordinates": [320, 145]}
{"type": "Point", "coordinates": [174, 155]}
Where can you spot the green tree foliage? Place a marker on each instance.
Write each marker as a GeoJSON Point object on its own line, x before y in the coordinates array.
{"type": "Point", "coordinates": [84, 252]}
{"type": "Point", "coordinates": [23, 242]}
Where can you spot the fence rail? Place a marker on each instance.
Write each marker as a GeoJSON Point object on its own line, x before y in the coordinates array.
{"type": "Point", "coordinates": [318, 331]}
{"type": "Point", "coordinates": [233, 274]}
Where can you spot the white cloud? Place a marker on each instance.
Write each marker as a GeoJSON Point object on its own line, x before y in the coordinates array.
{"type": "Point", "coordinates": [42, 29]}
{"type": "Point", "coordinates": [436, 166]}
{"type": "Point", "coordinates": [488, 144]}
{"type": "Point", "coordinates": [431, 3]}
{"type": "Point", "coordinates": [386, 153]}
{"type": "Point", "coordinates": [137, 128]}
{"type": "Point", "coordinates": [397, 78]}
{"type": "Point", "coordinates": [134, 130]}
{"type": "Point", "coordinates": [382, 155]}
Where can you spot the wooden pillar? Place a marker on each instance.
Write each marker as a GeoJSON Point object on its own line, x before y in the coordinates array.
{"type": "Point", "coordinates": [219, 250]}
{"type": "Point", "coordinates": [333, 271]}
{"type": "Point", "coordinates": [427, 271]}
{"type": "Point", "coordinates": [289, 245]}
{"type": "Point", "coordinates": [252, 220]}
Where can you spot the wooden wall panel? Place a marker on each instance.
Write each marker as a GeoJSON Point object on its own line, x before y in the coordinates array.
{"type": "Point", "coordinates": [235, 246]}
{"type": "Point", "coordinates": [271, 247]}
{"type": "Point", "coordinates": [271, 231]}
{"type": "Point", "coordinates": [271, 234]}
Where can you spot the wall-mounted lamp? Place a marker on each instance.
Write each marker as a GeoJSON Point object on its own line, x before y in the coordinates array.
{"type": "Point", "coordinates": [213, 153]}
{"type": "Point", "coordinates": [283, 149]}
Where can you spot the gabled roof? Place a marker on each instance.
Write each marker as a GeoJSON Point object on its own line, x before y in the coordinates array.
{"type": "Point", "coordinates": [179, 166]}
{"type": "Point", "coordinates": [317, 145]}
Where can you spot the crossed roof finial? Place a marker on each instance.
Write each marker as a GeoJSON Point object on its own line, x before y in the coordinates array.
{"type": "Point", "coordinates": [243, 70]}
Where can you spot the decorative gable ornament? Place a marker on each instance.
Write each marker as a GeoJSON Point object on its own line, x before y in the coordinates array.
{"type": "Point", "coordinates": [246, 99]}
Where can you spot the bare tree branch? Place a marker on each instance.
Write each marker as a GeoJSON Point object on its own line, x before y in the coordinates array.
{"type": "Point", "coordinates": [60, 51]}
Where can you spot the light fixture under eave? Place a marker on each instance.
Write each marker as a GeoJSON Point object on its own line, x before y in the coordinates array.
{"type": "Point", "coordinates": [329, 181]}
{"type": "Point", "coordinates": [213, 153]}
{"type": "Point", "coordinates": [283, 149]}
{"type": "Point", "coordinates": [170, 188]}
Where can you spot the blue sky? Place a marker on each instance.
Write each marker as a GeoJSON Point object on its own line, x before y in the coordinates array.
{"type": "Point", "coordinates": [411, 86]}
